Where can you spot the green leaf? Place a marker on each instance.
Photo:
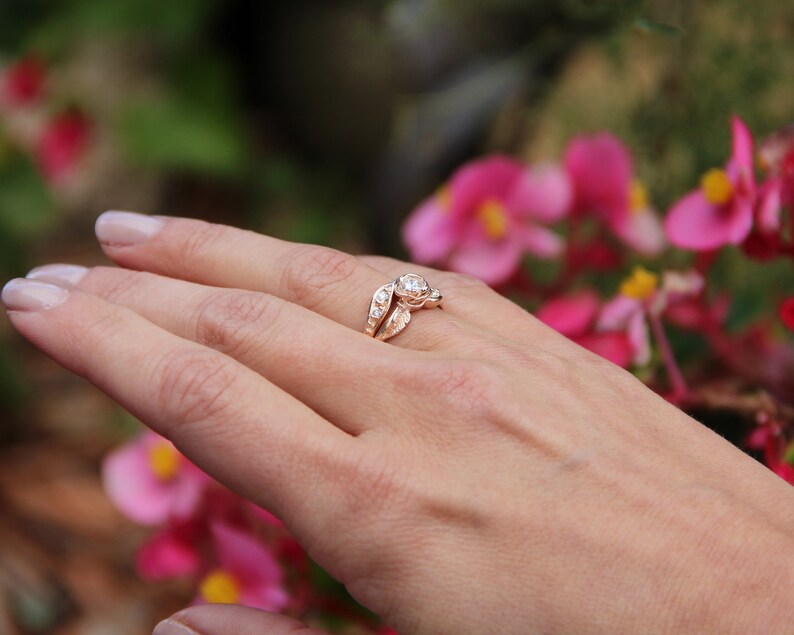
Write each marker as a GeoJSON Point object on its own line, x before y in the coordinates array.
{"type": "Point", "coordinates": [25, 203]}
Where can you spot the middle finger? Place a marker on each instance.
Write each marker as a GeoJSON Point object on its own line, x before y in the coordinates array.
{"type": "Point", "coordinates": [326, 281]}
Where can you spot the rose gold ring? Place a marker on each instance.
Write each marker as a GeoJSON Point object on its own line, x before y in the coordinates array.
{"type": "Point", "coordinates": [388, 317]}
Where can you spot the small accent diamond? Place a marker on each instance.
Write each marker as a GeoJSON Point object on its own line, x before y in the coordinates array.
{"type": "Point", "coordinates": [376, 312]}
{"type": "Point", "coordinates": [382, 295]}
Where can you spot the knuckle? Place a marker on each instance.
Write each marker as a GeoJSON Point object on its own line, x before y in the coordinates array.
{"type": "Point", "coordinates": [84, 334]}
{"type": "Point", "coordinates": [115, 285]}
{"type": "Point", "coordinates": [104, 326]}
{"type": "Point", "coordinates": [195, 244]}
{"type": "Point", "coordinates": [463, 282]}
{"type": "Point", "coordinates": [469, 388]}
{"type": "Point", "coordinates": [375, 484]}
{"type": "Point", "coordinates": [194, 386]}
{"type": "Point", "coordinates": [313, 272]}
{"type": "Point", "coordinates": [222, 319]}
{"type": "Point", "coordinates": [560, 369]}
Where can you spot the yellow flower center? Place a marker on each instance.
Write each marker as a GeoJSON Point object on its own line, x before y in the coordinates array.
{"type": "Point", "coordinates": [638, 197]}
{"type": "Point", "coordinates": [640, 284]}
{"type": "Point", "coordinates": [444, 197]}
{"type": "Point", "coordinates": [220, 587]}
{"type": "Point", "coordinates": [716, 186]}
{"type": "Point", "coordinates": [493, 217]}
{"type": "Point", "coordinates": [164, 460]}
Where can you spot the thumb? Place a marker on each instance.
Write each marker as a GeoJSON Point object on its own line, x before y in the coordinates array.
{"type": "Point", "coordinates": [231, 619]}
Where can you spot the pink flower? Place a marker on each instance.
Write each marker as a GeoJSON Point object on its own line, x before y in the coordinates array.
{"type": "Point", "coordinates": [694, 314]}
{"type": "Point", "coordinates": [786, 313]}
{"type": "Point", "coordinates": [769, 439]}
{"type": "Point", "coordinates": [640, 297]}
{"type": "Point", "coordinates": [62, 145]}
{"type": "Point", "coordinates": [247, 573]}
{"type": "Point", "coordinates": [602, 173]}
{"type": "Point", "coordinates": [263, 515]}
{"type": "Point", "coordinates": [172, 553]}
{"type": "Point", "coordinates": [769, 206]}
{"type": "Point", "coordinates": [150, 482]}
{"type": "Point", "coordinates": [575, 315]}
{"type": "Point", "coordinates": [776, 155]}
{"type": "Point", "coordinates": [488, 216]}
{"type": "Point", "coordinates": [720, 211]}
{"type": "Point", "coordinates": [23, 82]}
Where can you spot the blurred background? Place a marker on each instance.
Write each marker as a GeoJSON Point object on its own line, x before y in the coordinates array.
{"type": "Point", "coordinates": [314, 121]}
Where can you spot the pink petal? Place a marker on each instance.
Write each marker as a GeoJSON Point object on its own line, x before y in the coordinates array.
{"type": "Point", "coordinates": [539, 241]}
{"type": "Point", "coordinates": [133, 488]}
{"type": "Point", "coordinates": [694, 223]}
{"type": "Point", "coordinates": [189, 488]}
{"type": "Point", "coordinates": [786, 472]}
{"type": "Point", "coordinates": [62, 145]}
{"type": "Point", "coordinates": [616, 314]}
{"type": "Point", "coordinates": [170, 554]}
{"type": "Point", "coordinates": [639, 338]}
{"type": "Point", "coordinates": [543, 193]}
{"type": "Point", "coordinates": [680, 284]}
{"type": "Point", "coordinates": [22, 83]}
{"type": "Point", "coordinates": [429, 233]}
{"type": "Point", "coordinates": [241, 554]}
{"type": "Point", "coordinates": [266, 597]}
{"type": "Point", "coordinates": [770, 205]}
{"type": "Point", "coordinates": [570, 315]}
{"type": "Point", "coordinates": [642, 231]}
{"type": "Point", "coordinates": [741, 219]}
{"type": "Point", "coordinates": [614, 346]}
{"type": "Point", "coordinates": [600, 168]}
{"type": "Point", "coordinates": [758, 438]}
{"type": "Point", "coordinates": [493, 262]}
{"type": "Point", "coordinates": [689, 315]}
{"type": "Point", "coordinates": [742, 151]}
{"type": "Point", "coordinates": [490, 178]}
{"type": "Point", "coordinates": [265, 516]}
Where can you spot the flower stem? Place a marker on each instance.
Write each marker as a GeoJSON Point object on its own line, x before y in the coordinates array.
{"type": "Point", "coordinates": [676, 378]}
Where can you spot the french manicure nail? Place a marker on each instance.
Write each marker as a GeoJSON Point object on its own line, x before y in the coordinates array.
{"type": "Point", "coordinates": [21, 294]}
{"type": "Point", "coordinates": [126, 228]}
{"type": "Point", "coordinates": [172, 627]}
{"type": "Point", "coordinates": [58, 273]}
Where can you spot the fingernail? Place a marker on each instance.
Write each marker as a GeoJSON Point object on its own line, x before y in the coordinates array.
{"type": "Point", "coordinates": [126, 228]}
{"type": "Point", "coordinates": [58, 273]}
{"type": "Point", "coordinates": [173, 627]}
{"type": "Point", "coordinates": [21, 294]}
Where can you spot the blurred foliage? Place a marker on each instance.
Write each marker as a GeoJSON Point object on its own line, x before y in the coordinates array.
{"type": "Point", "coordinates": [26, 206]}
{"type": "Point", "coordinates": [325, 122]}
{"type": "Point", "coordinates": [176, 23]}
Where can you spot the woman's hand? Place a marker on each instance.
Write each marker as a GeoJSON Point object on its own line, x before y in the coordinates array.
{"type": "Point", "coordinates": [478, 474]}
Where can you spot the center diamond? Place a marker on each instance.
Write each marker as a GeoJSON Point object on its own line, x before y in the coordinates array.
{"type": "Point", "coordinates": [411, 284]}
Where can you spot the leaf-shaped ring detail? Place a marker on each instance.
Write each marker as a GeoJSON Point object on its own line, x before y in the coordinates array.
{"type": "Point", "coordinates": [391, 305]}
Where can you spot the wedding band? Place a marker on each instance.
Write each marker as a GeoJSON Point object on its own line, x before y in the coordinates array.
{"type": "Point", "coordinates": [391, 305]}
